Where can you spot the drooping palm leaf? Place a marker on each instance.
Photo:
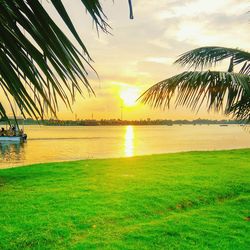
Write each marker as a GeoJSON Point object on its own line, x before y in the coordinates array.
{"type": "Point", "coordinates": [42, 65]}
{"type": "Point", "coordinates": [193, 88]}
{"type": "Point", "coordinates": [38, 63]}
{"type": "Point", "coordinates": [3, 116]}
{"type": "Point", "coordinates": [131, 14]}
{"type": "Point", "coordinates": [210, 56]}
{"type": "Point", "coordinates": [217, 88]}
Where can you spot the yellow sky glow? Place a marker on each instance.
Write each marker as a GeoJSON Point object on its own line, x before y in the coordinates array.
{"type": "Point", "coordinates": [141, 52]}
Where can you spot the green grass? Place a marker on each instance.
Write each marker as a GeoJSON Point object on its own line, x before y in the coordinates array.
{"type": "Point", "coordinates": [196, 200]}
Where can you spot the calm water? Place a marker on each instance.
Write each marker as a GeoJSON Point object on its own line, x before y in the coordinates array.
{"type": "Point", "coordinates": [47, 144]}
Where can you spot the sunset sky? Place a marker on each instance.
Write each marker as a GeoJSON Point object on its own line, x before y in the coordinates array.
{"type": "Point", "coordinates": [140, 52]}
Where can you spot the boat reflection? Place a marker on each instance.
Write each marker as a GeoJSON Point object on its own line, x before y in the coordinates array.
{"type": "Point", "coordinates": [129, 141]}
{"type": "Point", "coordinates": [11, 151]}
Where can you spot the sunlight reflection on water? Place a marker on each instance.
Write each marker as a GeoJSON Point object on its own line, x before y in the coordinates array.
{"type": "Point", "coordinates": [129, 141]}
{"type": "Point", "coordinates": [50, 144]}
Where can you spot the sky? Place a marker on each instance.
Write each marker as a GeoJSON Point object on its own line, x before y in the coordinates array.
{"type": "Point", "coordinates": [141, 52]}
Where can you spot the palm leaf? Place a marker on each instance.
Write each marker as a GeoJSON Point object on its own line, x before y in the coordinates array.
{"type": "Point", "coordinates": [210, 56]}
{"type": "Point", "coordinates": [221, 91]}
{"type": "Point", "coordinates": [131, 14]}
{"type": "Point", "coordinates": [38, 63]}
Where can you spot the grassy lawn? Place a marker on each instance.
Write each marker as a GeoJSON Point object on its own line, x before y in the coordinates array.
{"type": "Point", "coordinates": [196, 200]}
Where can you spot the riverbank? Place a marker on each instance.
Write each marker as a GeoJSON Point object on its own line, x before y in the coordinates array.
{"type": "Point", "coordinates": [195, 200]}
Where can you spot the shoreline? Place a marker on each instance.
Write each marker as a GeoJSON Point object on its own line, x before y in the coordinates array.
{"type": "Point", "coordinates": [117, 158]}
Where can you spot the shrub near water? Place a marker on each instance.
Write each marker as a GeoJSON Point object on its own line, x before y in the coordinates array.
{"type": "Point", "coordinates": [197, 200]}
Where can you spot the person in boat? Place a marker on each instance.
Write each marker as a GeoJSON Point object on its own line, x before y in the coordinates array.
{"type": "Point", "coordinates": [11, 131]}
{"type": "Point", "coordinates": [13, 128]}
{"type": "Point", "coordinates": [2, 132]}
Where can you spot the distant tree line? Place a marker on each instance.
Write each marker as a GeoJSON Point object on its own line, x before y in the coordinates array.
{"type": "Point", "coordinates": [118, 122]}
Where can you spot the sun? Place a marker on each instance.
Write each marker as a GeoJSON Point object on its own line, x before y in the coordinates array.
{"type": "Point", "coordinates": [129, 96]}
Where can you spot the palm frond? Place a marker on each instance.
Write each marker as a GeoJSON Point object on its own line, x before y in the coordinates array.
{"type": "Point", "coordinates": [38, 63]}
{"type": "Point", "coordinates": [210, 56]}
{"type": "Point", "coordinates": [241, 109]}
{"type": "Point", "coordinates": [131, 14]}
{"type": "Point", "coordinates": [193, 88]}
{"type": "Point", "coordinates": [3, 116]}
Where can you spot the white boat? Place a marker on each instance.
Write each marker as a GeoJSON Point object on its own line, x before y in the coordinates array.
{"type": "Point", "coordinates": [13, 138]}
{"type": "Point", "coordinates": [14, 133]}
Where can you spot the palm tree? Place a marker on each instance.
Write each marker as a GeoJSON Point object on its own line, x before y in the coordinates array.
{"type": "Point", "coordinates": [38, 62]}
{"type": "Point", "coordinates": [221, 90]}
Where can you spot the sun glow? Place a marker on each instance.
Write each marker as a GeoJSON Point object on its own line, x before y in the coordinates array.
{"type": "Point", "coordinates": [129, 96]}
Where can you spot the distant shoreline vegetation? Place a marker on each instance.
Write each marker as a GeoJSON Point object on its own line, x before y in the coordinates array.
{"type": "Point", "coordinates": [118, 122]}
